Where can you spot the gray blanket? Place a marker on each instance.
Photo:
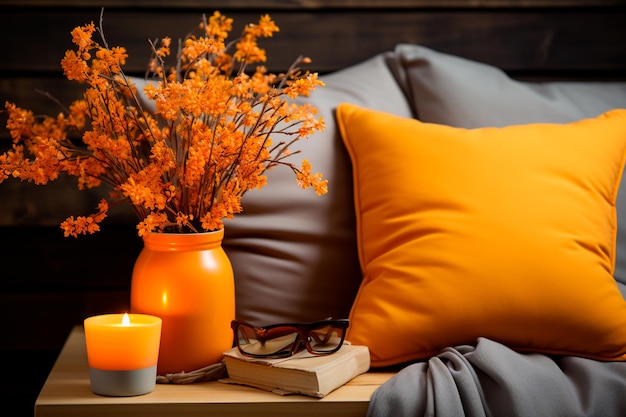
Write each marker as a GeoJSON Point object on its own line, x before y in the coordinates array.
{"type": "Point", "coordinates": [490, 379]}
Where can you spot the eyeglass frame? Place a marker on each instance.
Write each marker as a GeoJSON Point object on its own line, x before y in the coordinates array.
{"type": "Point", "coordinates": [302, 330]}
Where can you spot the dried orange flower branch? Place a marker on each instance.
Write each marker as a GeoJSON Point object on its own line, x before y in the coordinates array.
{"type": "Point", "coordinates": [185, 167]}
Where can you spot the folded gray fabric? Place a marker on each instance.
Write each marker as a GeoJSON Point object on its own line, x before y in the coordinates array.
{"type": "Point", "coordinates": [493, 380]}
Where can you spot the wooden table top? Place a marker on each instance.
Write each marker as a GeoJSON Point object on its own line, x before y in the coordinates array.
{"type": "Point", "coordinates": [67, 393]}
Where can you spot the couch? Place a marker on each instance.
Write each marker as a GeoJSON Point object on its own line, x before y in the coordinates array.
{"type": "Point", "coordinates": [495, 325]}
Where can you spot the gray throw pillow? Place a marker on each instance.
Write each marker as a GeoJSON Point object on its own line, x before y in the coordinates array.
{"type": "Point", "coordinates": [294, 253]}
{"type": "Point", "coordinates": [455, 91]}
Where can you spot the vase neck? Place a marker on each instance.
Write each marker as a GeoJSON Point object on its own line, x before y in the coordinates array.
{"type": "Point", "coordinates": [183, 241]}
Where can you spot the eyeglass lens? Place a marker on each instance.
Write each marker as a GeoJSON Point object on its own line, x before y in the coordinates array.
{"type": "Point", "coordinates": [287, 340]}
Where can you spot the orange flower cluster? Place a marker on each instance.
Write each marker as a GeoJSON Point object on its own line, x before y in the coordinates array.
{"type": "Point", "coordinates": [185, 167]}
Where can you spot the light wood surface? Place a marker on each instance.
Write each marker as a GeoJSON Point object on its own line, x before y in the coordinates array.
{"type": "Point", "coordinates": [67, 393]}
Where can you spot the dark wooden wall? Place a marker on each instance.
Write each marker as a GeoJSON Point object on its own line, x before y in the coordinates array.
{"type": "Point", "coordinates": [49, 283]}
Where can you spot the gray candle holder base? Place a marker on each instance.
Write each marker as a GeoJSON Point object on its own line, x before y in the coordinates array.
{"type": "Point", "coordinates": [123, 383]}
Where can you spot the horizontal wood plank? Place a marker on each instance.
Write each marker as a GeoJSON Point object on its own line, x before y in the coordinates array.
{"type": "Point", "coordinates": [27, 204]}
{"type": "Point", "coordinates": [40, 321]}
{"type": "Point", "coordinates": [513, 40]}
{"type": "Point", "coordinates": [41, 259]}
{"type": "Point", "coordinates": [314, 4]}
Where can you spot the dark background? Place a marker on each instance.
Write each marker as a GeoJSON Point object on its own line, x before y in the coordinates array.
{"type": "Point", "coordinates": [49, 283]}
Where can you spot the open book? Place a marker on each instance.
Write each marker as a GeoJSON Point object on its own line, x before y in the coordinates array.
{"type": "Point", "coordinates": [302, 373]}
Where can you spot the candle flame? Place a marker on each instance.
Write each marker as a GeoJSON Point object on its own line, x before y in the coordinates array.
{"type": "Point", "coordinates": [125, 320]}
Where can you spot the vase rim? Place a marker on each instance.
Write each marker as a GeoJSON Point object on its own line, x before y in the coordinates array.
{"type": "Point", "coordinates": [183, 241]}
{"type": "Point", "coordinates": [186, 233]}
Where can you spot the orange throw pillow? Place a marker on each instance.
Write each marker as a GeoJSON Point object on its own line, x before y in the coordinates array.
{"type": "Point", "coordinates": [504, 233]}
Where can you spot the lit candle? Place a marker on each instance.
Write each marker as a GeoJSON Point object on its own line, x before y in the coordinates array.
{"type": "Point", "coordinates": [122, 351]}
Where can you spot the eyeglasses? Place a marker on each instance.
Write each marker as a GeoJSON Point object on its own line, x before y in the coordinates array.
{"type": "Point", "coordinates": [282, 340]}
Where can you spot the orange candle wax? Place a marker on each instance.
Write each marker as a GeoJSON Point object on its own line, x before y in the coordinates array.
{"type": "Point", "coordinates": [122, 342]}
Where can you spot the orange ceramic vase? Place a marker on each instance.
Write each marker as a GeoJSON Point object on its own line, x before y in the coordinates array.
{"type": "Point", "coordinates": [187, 280]}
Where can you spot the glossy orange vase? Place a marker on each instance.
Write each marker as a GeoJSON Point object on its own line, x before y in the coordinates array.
{"type": "Point", "coordinates": [187, 280]}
